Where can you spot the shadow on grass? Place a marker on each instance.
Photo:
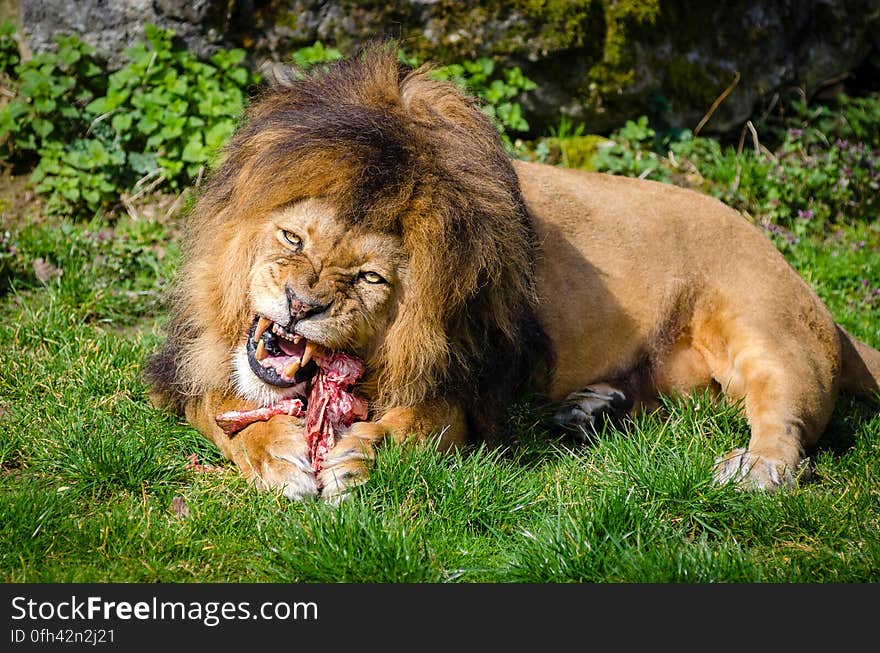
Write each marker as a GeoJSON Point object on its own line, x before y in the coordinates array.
{"type": "Point", "coordinates": [850, 417]}
{"type": "Point", "coordinates": [534, 437]}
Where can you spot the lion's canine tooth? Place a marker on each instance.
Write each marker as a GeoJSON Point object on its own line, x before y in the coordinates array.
{"type": "Point", "coordinates": [291, 368]}
{"type": "Point", "coordinates": [309, 352]}
{"type": "Point", "coordinates": [261, 352]}
{"type": "Point", "coordinates": [262, 325]}
{"type": "Point", "coordinates": [297, 339]}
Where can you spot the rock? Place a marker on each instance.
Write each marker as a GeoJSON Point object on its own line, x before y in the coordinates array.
{"type": "Point", "coordinates": [774, 49]}
{"type": "Point", "coordinates": [603, 62]}
{"type": "Point", "coordinates": [598, 62]}
{"type": "Point", "coordinates": [112, 26]}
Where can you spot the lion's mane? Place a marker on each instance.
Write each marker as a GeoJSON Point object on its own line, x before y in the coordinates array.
{"type": "Point", "coordinates": [400, 153]}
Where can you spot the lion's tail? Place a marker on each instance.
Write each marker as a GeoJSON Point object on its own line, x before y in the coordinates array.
{"type": "Point", "coordinates": [861, 366]}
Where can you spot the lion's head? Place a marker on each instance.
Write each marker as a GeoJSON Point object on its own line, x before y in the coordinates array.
{"type": "Point", "coordinates": [366, 208]}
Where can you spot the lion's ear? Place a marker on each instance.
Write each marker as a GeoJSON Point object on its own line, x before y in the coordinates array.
{"type": "Point", "coordinates": [279, 75]}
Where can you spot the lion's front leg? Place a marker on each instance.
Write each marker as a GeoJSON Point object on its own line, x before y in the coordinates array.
{"type": "Point", "coordinates": [347, 463]}
{"type": "Point", "coordinates": [271, 455]}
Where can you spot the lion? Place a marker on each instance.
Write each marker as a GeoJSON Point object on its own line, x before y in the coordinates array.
{"type": "Point", "coordinates": [369, 209]}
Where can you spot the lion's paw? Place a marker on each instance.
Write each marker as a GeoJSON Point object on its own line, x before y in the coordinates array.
{"type": "Point", "coordinates": [585, 411]}
{"type": "Point", "coordinates": [277, 454]}
{"type": "Point", "coordinates": [751, 471]}
{"type": "Point", "coordinates": [345, 467]}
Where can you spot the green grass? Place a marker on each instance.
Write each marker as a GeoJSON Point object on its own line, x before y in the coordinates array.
{"type": "Point", "coordinates": [90, 470]}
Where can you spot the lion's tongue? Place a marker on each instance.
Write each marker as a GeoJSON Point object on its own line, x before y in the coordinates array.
{"type": "Point", "coordinates": [293, 357]}
{"type": "Point", "coordinates": [330, 406]}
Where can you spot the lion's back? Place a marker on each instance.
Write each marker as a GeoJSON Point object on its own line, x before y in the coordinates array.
{"type": "Point", "coordinates": [644, 229]}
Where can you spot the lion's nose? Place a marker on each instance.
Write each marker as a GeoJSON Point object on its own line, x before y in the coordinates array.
{"type": "Point", "coordinates": [301, 307]}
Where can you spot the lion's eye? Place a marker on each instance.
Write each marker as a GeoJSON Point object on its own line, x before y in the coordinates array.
{"type": "Point", "coordinates": [294, 240]}
{"type": "Point", "coordinates": [372, 277]}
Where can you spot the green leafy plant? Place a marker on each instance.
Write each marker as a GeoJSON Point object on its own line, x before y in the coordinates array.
{"type": "Point", "coordinates": [567, 145]}
{"type": "Point", "coordinates": [851, 119]}
{"type": "Point", "coordinates": [170, 112]}
{"type": "Point", "coordinates": [90, 137]}
{"type": "Point", "coordinates": [51, 89]}
{"type": "Point", "coordinates": [824, 167]}
{"type": "Point", "coordinates": [632, 152]}
{"type": "Point", "coordinates": [314, 55]}
{"type": "Point", "coordinates": [9, 53]}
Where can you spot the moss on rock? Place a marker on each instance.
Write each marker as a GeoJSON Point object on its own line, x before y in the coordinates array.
{"type": "Point", "coordinates": [575, 151]}
{"type": "Point", "coordinates": [600, 61]}
{"type": "Point", "coordinates": [689, 82]}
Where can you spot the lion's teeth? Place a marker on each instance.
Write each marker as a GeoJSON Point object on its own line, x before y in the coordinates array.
{"type": "Point", "coordinates": [261, 352]}
{"type": "Point", "coordinates": [291, 368]}
{"type": "Point", "coordinates": [262, 325]}
{"type": "Point", "coordinates": [297, 339]}
{"type": "Point", "coordinates": [309, 352]}
{"type": "Point", "coordinates": [281, 333]}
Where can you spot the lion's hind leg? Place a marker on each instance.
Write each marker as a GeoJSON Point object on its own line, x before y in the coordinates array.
{"type": "Point", "coordinates": [787, 378]}
{"type": "Point", "coordinates": [671, 368]}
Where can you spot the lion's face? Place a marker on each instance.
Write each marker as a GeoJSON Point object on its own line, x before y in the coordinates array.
{"type": "Point", "coordinates": [316, 283]}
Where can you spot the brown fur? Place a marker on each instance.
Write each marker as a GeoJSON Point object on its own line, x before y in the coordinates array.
{"type": "Point", "coordinates": [507, 277]}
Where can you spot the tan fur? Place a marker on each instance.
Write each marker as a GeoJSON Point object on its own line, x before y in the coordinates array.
{"type": "Point", "coordinates": [630, 284]}
{"type": "Point", "coordinates": [660, 277]}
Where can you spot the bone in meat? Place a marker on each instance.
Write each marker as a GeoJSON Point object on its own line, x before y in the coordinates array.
{"type": "Point", "coordinates": [234, 421]}
{"type": "Point", "coordinates": [331, 406]}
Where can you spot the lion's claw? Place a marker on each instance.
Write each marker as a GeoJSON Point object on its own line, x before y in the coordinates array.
{"type": "Point", "coordinates": [751, 471]}
{"type": "Point", "coordinates": [294, 482]}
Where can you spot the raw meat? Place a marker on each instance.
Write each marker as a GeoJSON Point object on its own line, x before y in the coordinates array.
{"type": "Point", "coordinates": [331, 406]}
{"type": "Point", "coordinates": [234, 421]}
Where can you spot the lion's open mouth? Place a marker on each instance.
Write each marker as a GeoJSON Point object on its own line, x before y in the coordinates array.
{"type": "Point", "coordinates": [278, 357]}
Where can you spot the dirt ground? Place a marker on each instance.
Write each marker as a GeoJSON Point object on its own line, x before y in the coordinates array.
{"type": "Point", "coordinates": [19, 205]}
